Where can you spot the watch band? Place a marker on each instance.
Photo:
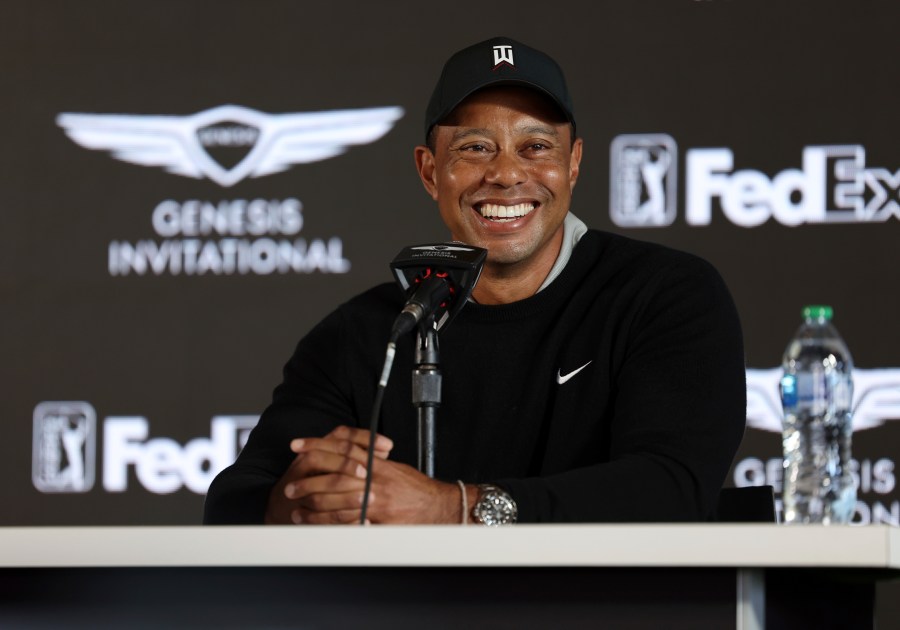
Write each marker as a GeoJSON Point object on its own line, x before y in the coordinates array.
{"type": "Point", "coordinates": [494, 506]}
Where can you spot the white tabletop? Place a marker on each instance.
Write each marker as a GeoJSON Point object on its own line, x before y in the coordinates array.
{"type": "Point", "coordinates": [654, 545]}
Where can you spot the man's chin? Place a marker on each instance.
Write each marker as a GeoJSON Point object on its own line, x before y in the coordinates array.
{"type": "Point", "coordinates": [506, 255]}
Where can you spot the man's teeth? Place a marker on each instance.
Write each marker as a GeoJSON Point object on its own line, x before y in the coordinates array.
{"type": "Point", "coordinates": [496, 212]}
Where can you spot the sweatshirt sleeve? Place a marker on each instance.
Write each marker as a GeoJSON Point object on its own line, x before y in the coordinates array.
{"type": "Point", "coordinates": [312, 399]}
{"type": "Point", "coordinates": [676, 413]}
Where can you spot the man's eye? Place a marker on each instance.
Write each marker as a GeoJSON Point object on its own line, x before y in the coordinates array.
{"type": "Point", "coordinates": [476, 148]}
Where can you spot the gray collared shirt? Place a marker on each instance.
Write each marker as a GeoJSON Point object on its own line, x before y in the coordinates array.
{"type": "Point", "coordinates": [573, 229]}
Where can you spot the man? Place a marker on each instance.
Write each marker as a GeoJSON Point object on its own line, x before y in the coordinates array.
{"type": "Point", "coordinates": [592, 378]}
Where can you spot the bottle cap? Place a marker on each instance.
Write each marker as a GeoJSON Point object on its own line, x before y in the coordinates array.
{"type": "Point", "coordinates": [818, 311]}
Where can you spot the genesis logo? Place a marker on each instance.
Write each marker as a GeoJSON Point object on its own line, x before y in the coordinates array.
{"type": "Point", "coordinates": [876, 401]}
{"type": "Point", "coordinates": [229, 143]}
{"type": "Point", "coordinates": [441, 248]}
{"type": "Point", "coordinates": [876, 395]}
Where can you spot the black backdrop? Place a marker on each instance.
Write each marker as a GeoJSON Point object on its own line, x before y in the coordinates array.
{"type": "Point", "coordinates": [153, 378]}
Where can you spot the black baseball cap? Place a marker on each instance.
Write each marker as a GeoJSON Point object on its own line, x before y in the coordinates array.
{"type": "Point", "coordinates": [497, 61]}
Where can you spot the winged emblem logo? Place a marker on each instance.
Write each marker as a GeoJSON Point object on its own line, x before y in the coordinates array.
{"type": "Point", "coordinates": [876, 398]}
{"type": "Point", "coordinates": [181, 144]}
{"type": "Point", "coordinates": [441, 248]}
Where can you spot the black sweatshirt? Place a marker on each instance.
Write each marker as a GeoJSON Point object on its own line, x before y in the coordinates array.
{"type": "Point", "coordinates": [616, 394]}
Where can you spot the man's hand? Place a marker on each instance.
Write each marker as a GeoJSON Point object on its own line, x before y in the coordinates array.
{"type": "Point", "coordinates": [326, 481]}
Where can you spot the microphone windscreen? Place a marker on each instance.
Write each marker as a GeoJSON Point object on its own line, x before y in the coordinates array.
{"type": "Point", "coordinates": [457, 263]}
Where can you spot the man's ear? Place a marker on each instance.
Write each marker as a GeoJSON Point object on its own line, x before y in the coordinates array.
{"type": "Point", "coordinates": [426, 168]}
{"type": "Point", "coordinates": [575, 162]}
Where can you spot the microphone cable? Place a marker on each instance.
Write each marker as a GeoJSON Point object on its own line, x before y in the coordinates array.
{"type": "Point", "coordinates": [373, 421]}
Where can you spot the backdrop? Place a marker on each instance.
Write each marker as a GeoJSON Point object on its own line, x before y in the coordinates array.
{"type": "Point", "coordinates": [187, 187]}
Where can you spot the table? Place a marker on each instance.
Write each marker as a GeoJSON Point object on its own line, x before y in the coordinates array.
{"type": "Point", "coordinates": [747, 576]}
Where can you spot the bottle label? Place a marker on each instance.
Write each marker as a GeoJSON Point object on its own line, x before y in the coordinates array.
{"type": "Point", "coordinates": [843, 393]}
{"type": "Point", "coordinates": [788, 391]}
{"type": "Point", "coordinates": [811, 391]}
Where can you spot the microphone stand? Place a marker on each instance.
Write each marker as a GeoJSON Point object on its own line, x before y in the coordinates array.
{"type": "Point", "coordinates": [426, 392]}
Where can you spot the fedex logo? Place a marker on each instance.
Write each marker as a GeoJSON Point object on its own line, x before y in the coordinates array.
{"type": "Point", "coordinates": [832, 185]}
{"type": "Point", "coordinates": [161, 464]}
{"type": "Point", "coordinates": [64, 443]}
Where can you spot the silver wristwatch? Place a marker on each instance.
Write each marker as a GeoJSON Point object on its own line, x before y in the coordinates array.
{"type": "Point", "coordinates": [494, 507]}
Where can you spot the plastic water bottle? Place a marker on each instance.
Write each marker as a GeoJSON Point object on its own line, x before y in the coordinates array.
{"type": "Point", "coordinates": [816, 394]}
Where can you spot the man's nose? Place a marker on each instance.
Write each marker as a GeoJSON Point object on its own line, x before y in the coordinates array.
{"type": "Point", "coordinates": [506, 169]}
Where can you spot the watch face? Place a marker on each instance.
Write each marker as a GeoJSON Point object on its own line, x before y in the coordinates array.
{"type": "Point", "coordinates": [495, 507]}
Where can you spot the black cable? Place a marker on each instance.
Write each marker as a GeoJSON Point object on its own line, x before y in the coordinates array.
{"type": "Point", "coordinates": [373, 422]}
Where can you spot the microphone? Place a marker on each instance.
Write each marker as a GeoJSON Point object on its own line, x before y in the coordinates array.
{"type": "Point", "coordinates": [438, 279]}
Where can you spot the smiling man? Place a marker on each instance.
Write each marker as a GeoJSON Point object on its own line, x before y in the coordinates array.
{"type": "Point", "coordinates": [501, 167]}
{"type": "Point", "coordinates": [593, 378]}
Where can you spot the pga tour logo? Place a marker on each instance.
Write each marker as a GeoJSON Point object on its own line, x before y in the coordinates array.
{"type": "Point", "coordinates": [63, 455]}
{"type": "Point", "coordinates": [644, 179]}
{"type": "Point", "coordinates": [63, 447]}
{"type": "Point", "coordinates": [833, 185]}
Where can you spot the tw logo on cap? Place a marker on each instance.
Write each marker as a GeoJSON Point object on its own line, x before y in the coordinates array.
{"type": "Point", "coordinates": [503, 55]}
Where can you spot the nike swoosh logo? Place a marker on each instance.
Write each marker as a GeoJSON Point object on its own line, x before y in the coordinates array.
{"type": "Point", "coordinates": [562, 378]}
